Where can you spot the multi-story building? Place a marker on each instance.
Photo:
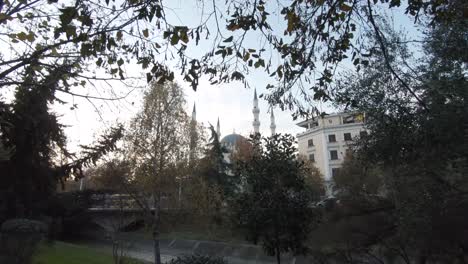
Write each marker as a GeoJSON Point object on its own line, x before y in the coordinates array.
{"type": "Point", "coordinates": [327, 139]}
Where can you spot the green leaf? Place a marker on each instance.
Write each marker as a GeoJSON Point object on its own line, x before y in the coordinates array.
{"type": "Point", "coordinates": [99, 62]}
{"type": "Point", "coordinates": [22, 36]}
{"type": "Point", "coordinates": [70, 31]}
{"type": "Point", "coordinates": [345, 7]}
{"type": "Point", "coordinates": [86, 20]}
{"type": "Point", "coordinates": [120, 62]}
{"type": "Point", "coordinates": [229, 39]}
{"type": "Point", "coordinates": [68, 14]}
{"type": "Point", "coordinates": [145, 33]}
{"type": "Point", "coordinates": [211, 71]}
{"type": "Point", "coordinates": [246, 56]}
{"type": "Point", "coordinates": [237, 76]}
{"type": "Point", "coordinates": [29, 37]}
{"type": "Point", "coordinates": [149, 77]}
{"type": "Point", "coordinates": [279, 72]}
{"type": "Point", "coordinates": [174, 39]}
{"type": "Point", "coordinates": [233, 26]}
{"type": "Point", "coordinates": [4, 16]}
{"type": "Point", "coordinates": [293, 20]}
{"type": "Point", "coordinates": [184, 36]}
{"type": "Point", "coordinates": [187, 78]}
{"type": "Point", "coordinates": [259, 63]}
{"type": "Point", "coordinates": [119, 35]}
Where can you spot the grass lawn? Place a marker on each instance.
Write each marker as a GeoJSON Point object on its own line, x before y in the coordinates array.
{"type": "Point", "coordinates": [61, 253]}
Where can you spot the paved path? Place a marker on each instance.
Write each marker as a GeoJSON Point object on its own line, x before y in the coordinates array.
{"type": "Point", "coordinates": [142, 248]}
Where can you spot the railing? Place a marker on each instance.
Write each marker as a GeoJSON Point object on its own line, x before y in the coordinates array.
{"type": "Point", "coordinates": [115, 201]}
{"type": "Point", "coordinates": [111, 202]}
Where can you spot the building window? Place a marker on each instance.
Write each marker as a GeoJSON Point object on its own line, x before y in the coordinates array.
{"type": "Point", "coordinates": [333, 154]}
{"type": "Point", "coordinates": [347, 137]}
{"type": "Point", "coordinates": [310, 142]}
{"type": "Point", "coordinates": [331, 138]}
{"type": "Point", "coordinates": [363, 133]}
{"type": "Point", "coordinates": [312, 157]}
{"type": "Point", "coordinates": [335, 172]}
{"type": "Point", "coordinates": [348, 119]}
{"type": "Point", "coordinates": [354, 118]}
{"type": "Point", "coordinates": [313, 124]}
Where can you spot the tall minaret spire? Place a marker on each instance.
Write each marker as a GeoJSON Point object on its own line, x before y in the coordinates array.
{"type": "Point", "coordinates": [193, 136]}
{"type": "Point", "coordinates": [272, 125]}
{"type": "Point", "coordinates": [194, 113]}
{"type": "Point", "coordinates": [218, 129]}
{"type": "Point", "coordinates": [256, 112]}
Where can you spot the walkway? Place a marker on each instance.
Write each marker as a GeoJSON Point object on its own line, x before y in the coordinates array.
{"type": "Point", "coordinates": [142, 248]}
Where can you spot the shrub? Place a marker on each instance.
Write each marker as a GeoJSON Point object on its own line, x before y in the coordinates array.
{"type": "Point", "coordinates": [19, 239]}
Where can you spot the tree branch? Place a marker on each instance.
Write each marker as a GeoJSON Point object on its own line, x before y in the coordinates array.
{"type": "Point", "coordinates": [387, 60]}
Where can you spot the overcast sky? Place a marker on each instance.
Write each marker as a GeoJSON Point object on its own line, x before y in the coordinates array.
{"type": "Point", "coordinates": [231, 102]}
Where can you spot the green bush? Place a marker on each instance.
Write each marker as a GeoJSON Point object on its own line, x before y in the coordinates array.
{"type": "Point", "coordinates": [19, 239]}
{"type": "Point", "coordinates": [198, 259]}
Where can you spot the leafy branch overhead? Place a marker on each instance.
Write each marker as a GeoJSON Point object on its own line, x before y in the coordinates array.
{"type": "Point", "coordinates": [300, 51]}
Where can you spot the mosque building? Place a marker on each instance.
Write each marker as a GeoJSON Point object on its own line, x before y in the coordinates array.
{"type": "Point", "coordinates": [231, 141]}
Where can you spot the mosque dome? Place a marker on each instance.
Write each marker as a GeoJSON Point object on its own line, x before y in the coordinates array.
{"type": "Point", "coordinates": [232, 139]}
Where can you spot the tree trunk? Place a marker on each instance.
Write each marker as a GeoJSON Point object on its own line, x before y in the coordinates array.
{"type": "Point", "coordinates": [422, 259]}
{"type": "Point", "coordinates": [463, 256]}
{"type": "Point", "coordinates": [157, 251]}
{"type": "Point", "coordinates": [278, 256]}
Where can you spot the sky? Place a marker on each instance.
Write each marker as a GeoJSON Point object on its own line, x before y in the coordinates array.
{"type": "Point", "coordinates": [232, 103]}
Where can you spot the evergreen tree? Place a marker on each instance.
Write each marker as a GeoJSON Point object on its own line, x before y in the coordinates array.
{"type": "Point", "coordinates": [213, 166]}
{"type": "Point", "coordinates": [275, 204]}
{"type": "Point", "coordinates": [35, 138]}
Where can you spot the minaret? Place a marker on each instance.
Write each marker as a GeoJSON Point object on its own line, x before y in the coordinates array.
{"type": "Point", "coordinates": [194, 114]}
{"type": "Point", "coordinates": [218, 129]}
{"type": "Point", "coordinates": [272, 125]}
{"type": "Point", "coordinates": [256, 112]}
{"type": "Point", "coordinates": [193, 136]}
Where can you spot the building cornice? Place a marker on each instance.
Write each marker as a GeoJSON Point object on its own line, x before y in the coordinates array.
{"type": "Point", "coordinates": [316, 130]}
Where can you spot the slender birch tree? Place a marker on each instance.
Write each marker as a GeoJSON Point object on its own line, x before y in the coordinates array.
{"type": "Point", "coordinates": [157, 143]}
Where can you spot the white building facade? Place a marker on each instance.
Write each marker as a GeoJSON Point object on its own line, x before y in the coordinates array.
{"type": "Point", "coordinates": [327, 139]}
